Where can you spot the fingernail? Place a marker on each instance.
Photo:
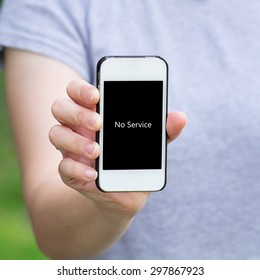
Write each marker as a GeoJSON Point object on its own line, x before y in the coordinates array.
{"type": "Point", "coordinates": [95, 121]}
{"type": "Point", "coordinates": [91, 148]}
{"type": "Point", "coordinates": [91, 174]}
{"type": "Point", "coordinates": [92, 95]}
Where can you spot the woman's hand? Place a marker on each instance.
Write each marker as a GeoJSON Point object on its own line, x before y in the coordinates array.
{"type": "Point", "coordinates": [75, 139]}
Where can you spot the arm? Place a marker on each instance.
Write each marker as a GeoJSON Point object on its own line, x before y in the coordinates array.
{"type": "Point", "coordinates": [71, 218]}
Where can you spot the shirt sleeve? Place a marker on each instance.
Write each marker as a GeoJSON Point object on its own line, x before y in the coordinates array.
{"type": "Point", "coordinates": [54, 28]}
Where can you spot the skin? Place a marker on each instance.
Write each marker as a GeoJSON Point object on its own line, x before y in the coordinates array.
{"type": "Point", "coordinates": [70, 217]}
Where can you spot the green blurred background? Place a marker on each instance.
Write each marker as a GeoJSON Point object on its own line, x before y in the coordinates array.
{"type": "Point", "coordinates": [16, 237]}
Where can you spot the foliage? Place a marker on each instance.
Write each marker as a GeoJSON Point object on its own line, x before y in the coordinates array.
{"type": "Point", "coordinates": [16, 237]}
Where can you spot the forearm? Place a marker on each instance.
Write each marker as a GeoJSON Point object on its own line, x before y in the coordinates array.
{"type": "Point", "coordinates": [70, 216]}
{"type": "Point", "coordinates": [69, 225]}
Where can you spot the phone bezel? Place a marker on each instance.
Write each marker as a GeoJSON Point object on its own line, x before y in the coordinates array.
{"type": "Point", "coordinates": [132, 68]}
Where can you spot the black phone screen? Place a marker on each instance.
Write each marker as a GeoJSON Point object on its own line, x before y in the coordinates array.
{"type": "Point", "coordinates": [132, 127]}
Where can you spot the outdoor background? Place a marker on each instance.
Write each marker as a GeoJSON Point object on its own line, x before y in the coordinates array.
{"type": "Point", "coordinates": [16, 237]}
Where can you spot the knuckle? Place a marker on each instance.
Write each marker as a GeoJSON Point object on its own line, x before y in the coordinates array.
{"type": "Point", "coordinates": [55, 105]}
{"type": "Point", "coordinates": [79, 116]}
{"type": "Point", "coordinates": [77, 145]}
{"type": "Point", "coordinates": [55, 108]}
{"type": "Point", "coordinates": [61, 167]}
{"type": "Point", "coordinates": [82, 92]}
{"type": "Point", "coordinates": [75, 89]}
{"type": "Point", "coordinates": [70, 86]}
{"type": "Point", "coordinates": [53, 133]}
{"type": "Point", "coordinates": [67, 168]}
{"type": "Point", "coordinates": [73, 171]}
{"type": "Point", "coordinates": [69, 171]}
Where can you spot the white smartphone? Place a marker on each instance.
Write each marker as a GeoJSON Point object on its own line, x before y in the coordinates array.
{"type": "Point", "coordinates": [133, 105]}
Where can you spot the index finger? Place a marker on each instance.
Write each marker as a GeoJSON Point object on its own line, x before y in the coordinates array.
{"type": "Point", "coordinates": [83, 93]}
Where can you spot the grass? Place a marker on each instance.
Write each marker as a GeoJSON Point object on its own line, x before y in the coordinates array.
{"type": "Point", "coordinates": [16, 237]}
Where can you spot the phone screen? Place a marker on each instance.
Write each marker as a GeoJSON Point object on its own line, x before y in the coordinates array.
{"type": "Point", "coordinates": [132, 127]}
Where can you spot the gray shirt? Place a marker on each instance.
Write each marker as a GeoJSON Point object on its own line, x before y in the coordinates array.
{"type": "Point", "coordinates": [210, 208]}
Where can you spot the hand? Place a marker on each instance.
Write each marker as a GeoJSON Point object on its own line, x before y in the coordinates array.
{"type": "Point", "coordinates": [75, 139]}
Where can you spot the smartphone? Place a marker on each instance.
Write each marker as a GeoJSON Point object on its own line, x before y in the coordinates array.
{"type": "Point", "coordinates": [133, 106]}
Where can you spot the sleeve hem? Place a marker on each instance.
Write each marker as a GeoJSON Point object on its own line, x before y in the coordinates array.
{"type": "Point", "coordinates": [40, 46]}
